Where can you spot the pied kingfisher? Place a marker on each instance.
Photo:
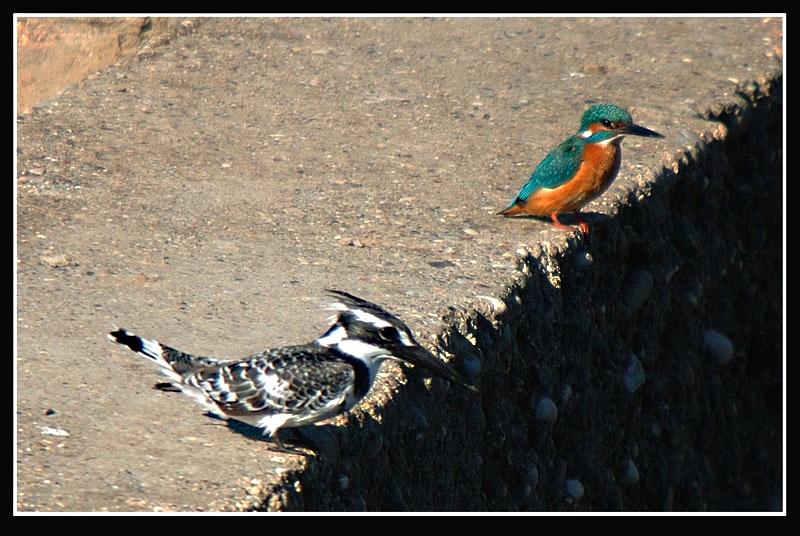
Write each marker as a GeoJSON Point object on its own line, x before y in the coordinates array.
{"type": "Point", "coordinates": [296, 385]}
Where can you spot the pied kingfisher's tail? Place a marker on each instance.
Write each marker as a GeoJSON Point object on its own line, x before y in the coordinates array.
{"type": "Point", "coordinates": [179, 367]}
{"type": "Point", "coordinates": [175, 365]}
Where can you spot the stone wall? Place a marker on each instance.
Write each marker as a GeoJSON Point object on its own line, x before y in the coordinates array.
{"type": "Point", "coordinates": [640, 370]}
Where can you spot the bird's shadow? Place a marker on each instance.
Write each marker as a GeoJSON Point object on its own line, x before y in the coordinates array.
{"type": "Point", "coordinates": [567, 218]}
{"type": "Point", "coordinates": [308, 440]}
{"type": "Point", "coordinates": [311, 440]}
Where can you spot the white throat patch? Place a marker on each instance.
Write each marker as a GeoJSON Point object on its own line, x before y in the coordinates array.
{"type": "Point", "coordinates": [362, 350]}
{"type": "Point", "coordinates": [333, 338]}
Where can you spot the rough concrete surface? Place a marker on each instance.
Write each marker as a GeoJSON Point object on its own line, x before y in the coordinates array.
{"type": "Point", "coordinates": [204, 192]}
{"type": "Point", "coordinates": [53, 52]}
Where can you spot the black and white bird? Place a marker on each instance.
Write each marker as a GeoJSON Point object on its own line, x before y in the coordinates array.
{"type": "Point", "coordinates": [296, 385]}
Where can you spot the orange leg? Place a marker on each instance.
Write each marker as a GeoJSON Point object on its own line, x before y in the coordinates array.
{"type": "Point", "coordinates": [584, 226]}
{"type": "Point", "coordinates": [559, 225]}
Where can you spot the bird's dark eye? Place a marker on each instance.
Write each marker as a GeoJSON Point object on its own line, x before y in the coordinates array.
{"type": "Point", "coordinates": [388, 333]}
{"type": "Point", "coordinates": [606, 123]}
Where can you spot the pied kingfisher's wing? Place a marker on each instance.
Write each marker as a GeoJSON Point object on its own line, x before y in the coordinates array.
{"type": "Point", "coordinates": [300, 380]}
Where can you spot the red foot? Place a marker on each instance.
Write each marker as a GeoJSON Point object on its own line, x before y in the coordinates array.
{"type": "Point", "coordinates": [583, 225]}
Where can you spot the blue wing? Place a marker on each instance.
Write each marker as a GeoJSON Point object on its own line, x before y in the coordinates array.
{"type": "Point", "coordinates": [557, 167]}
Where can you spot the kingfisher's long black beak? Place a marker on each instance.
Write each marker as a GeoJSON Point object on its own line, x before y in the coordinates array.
{"type": "Point", "coordinates": [637, 130]}
{"type": "Point", "coordinates": [419, 356]}
{"type": "Point", "coordinates": [386, 334]}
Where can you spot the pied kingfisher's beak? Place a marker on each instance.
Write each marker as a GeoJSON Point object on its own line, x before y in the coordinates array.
{"type": "Point", "coordinates": [421, 357]}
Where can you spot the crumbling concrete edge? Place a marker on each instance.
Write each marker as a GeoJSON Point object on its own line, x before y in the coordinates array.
{"type": "Point", "coordinates": [640, 370]}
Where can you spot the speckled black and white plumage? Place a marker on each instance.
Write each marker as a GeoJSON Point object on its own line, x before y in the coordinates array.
{"type": "Point", "coordinates": [296, 385]}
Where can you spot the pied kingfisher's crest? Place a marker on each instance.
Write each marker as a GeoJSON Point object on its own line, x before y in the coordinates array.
{"type": "Point", "coordinates": [365, 321]}
{"type": "Point", "coordinates": [296, 385]}
{"type": "Point", "coordinates": [371, 333]}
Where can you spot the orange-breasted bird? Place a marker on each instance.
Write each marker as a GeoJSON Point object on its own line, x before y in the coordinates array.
{"type": "Point", "coordinates": [580, 169]}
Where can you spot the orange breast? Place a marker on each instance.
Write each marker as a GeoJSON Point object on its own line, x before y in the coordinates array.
{"type": "Point", "coordinates": [599, 169]}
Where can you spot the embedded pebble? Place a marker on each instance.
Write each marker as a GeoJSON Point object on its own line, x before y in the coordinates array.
{"type": "Point", "coordinates": [566, 394]}
{"type": "Point", "coordinates": [546, 410]}
{"type": "Point", "coordinates": [638, 287]}
{"type": "Point", "coordinates": [559, 474]}
{"type": "Point", "coordinates": [323, 439]}
{"type": "Point", "coordinates": [689, 138]}
{"type": "Point", "coordinates": [573, 490]}
{"type": "Point", "coordinates": [634, 375]}
{"type": "Point", "coordinates": [373, 445]}
{"type": "Point", "coordinates": [416, 419]}
{"type": "Point", "coordinates": [475, 461]}
{"type": "Point", "coordinates": [498, 305]}
{"type": "Point", "coordinates": [59, 260]}
{"type": "Point", "coordinates": [631, 474]}
{"type": "Point", "coordinates": [532, 477]}
{"type": "Point", "coordinates": [477, 418]}
{"type": "Point", "coordinates": [396, 501]}
{"type": "Point", "coordinates": [54, 431]}
{"type": "Point", "coordinates": [469, 364]}
{"type": "Point", "coordinates": [719, 346]}
{"type": "Point", "coordinates": [655, 429]}
{"type": "Point", "coordinates": [583, 259]}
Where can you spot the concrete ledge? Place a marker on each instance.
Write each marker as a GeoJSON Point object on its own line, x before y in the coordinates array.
{"type": "Point", "coordinates": [205, 193]}
{"type": "Point", "coordinates": [646, 378]}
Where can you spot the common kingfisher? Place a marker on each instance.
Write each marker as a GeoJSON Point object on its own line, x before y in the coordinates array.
{"type": "Point", "coordinates": [580, 169]}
